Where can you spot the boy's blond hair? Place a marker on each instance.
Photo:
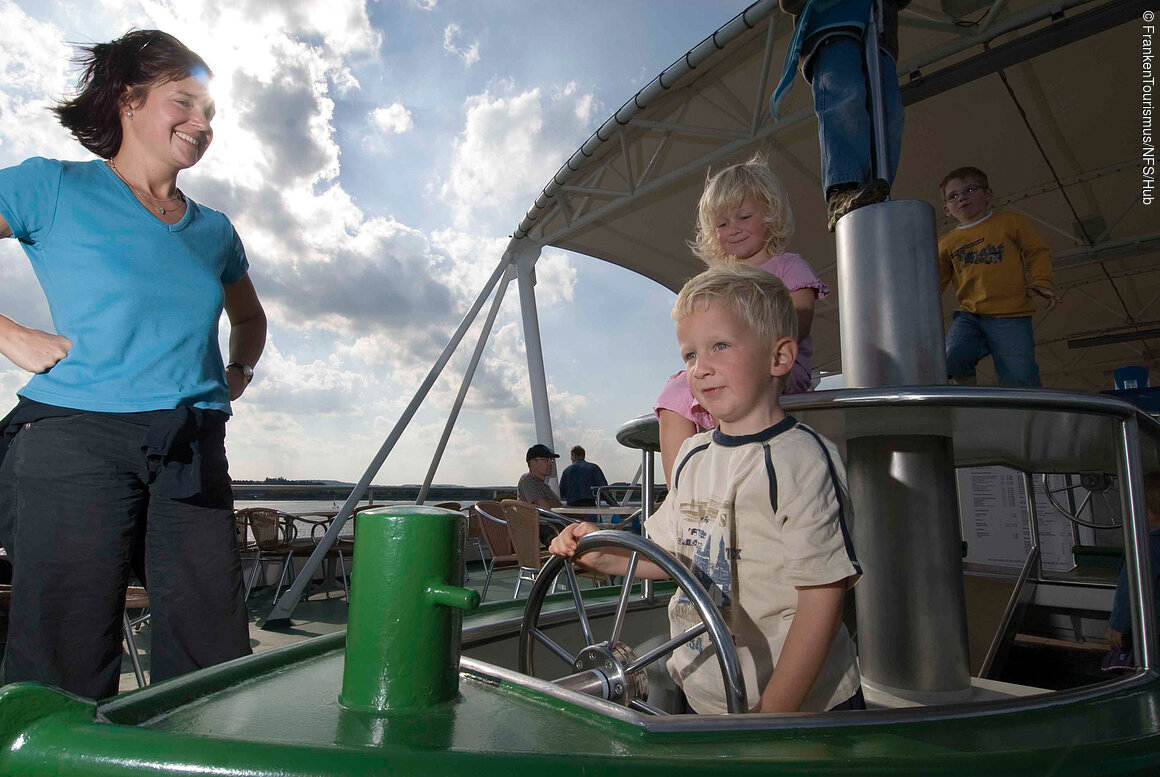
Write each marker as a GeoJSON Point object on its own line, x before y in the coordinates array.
{"type": "Point", "coordinates": [760, 298]}
{"type": "Point", "coordinates": [726, 190]}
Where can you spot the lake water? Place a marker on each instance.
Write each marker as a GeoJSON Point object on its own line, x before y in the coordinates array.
{"type": "Point", "coordinates": [297, 507]}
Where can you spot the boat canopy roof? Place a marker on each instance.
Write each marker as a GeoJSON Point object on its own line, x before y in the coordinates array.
{"type": "Point", "coordinates": [1043, 96]}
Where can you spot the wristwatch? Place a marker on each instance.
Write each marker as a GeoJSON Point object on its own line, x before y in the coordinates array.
{"type": "Point", "coordinates": [247, 370]}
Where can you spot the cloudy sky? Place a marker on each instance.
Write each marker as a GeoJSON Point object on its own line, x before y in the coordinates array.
{"type": "Point", "coordinates": [374, 155]}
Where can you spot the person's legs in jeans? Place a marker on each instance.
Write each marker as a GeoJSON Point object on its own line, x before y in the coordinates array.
{"type": "Point", "coordinates": [842, 105]}
{"type": "Point", "coordinates": [966, 346]}
{"type": "Point", "coordinates": [840, 100]}
{"type": "Point", "coordinates": [78, 499]}
{"type": "Point", "coordinates": [1012, 345]}
{"type": "Point", "coordinates": [198, 615]}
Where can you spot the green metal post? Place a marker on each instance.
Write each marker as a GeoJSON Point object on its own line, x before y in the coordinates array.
{"type": "Point", "coordinates": [406, 610]}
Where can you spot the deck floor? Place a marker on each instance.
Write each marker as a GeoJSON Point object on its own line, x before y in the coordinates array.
{"type": "Point", "coordinates": [324, 612]}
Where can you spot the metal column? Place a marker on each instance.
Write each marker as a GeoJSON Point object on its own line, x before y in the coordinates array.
{"type": "Point", "coordinates": [281, 610]}
{"type": "Point", "coordinates": [912, 626]}
{"type": "Point", "coordinates": [464, 385]}
{"type": "Point", "coordinates": [537, 379]}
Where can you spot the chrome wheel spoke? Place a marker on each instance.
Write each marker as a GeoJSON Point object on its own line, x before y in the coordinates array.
{"type": "Point", "coordinates": [550, 644]}
{"type": "Point", "coordinates": [580, 611]}
{"type": "Point", "coordinates": [1079, 510]}
{"type": "Point", "coordinates": [668, 647]}
{"type": "Point", "coordinates": [622, 605]}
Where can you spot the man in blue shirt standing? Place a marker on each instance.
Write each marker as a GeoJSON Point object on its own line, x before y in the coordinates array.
{"type": "Point", "coordinates": [578, 479]}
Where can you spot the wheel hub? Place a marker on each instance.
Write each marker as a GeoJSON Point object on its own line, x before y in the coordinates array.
{"type": "Point", "coordinates": [1097, 483]}
{"type": "Point", "coordinates": [611, 662]}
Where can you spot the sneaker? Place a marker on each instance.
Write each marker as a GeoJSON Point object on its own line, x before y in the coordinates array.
{"type": "Point", "coordinates": [845, 197]}
{"type": "Point", "coordinates": [836, 197]}
{"type": "Point", "coordinates": [1118, 660]}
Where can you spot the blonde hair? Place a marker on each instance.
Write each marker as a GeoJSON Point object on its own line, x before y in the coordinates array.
{"type": "Point", "coordinates": [760, 298]}
{"type": "Point", "coordinates": [726, 190]}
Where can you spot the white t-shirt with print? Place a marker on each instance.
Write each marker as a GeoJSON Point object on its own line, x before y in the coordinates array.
{"type": "Point", "coordinates": [754, 516]}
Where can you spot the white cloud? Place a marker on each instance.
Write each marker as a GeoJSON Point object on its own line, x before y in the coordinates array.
{"type": "Point", "coordinates": [305, 388]}
{"type": "Point", "coordinates": [394, 118]}
{"type": "Point", "coordinates": [585, 109]}
{"type": "Point", "coordinates": [33, 72]}
{"type": "Point", "coordinates": [469, 54]}
{"type": "Point", "coordinates": [555, 278]}
{"type": "Point", "coordinates": [425, 5]}
{"type": "Point", "coordinates": [511, 144]}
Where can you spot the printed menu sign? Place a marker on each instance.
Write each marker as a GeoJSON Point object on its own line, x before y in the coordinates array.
{"type": "Point", "coordinates": [993, 510]}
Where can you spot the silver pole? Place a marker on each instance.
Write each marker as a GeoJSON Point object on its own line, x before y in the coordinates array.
{"type": "Point", "coordinates": [874, 77]}
{"type": "Point", "coordinates": [1137, 555]}
{"type": "Point", "coordinates": [912, 623]}
{"type": "Point", "coordinates": [891, 331]}
{"type": "Point", "coordinates": [912, 619]}
{"type": "Point", "coordinates": [646, 509]}
{"type": "Point", "coordinates": [526, 266]}
{"type": "Point", "coordinates": [1033, 523]}
{"type": "Point", "coordinates": [289, 600]}
{"type": "Point", "coordinates": [463, 387]}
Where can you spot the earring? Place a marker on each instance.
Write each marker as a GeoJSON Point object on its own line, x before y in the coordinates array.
{"type": "Point", "coordinates": [129, 114]}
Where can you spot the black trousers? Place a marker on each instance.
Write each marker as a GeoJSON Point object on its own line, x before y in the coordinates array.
{"type": "Point", "coordinates": [80, 510]}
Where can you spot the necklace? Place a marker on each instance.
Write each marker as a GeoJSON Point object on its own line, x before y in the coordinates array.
{"type": "Point", "coordinates": [179, 197]}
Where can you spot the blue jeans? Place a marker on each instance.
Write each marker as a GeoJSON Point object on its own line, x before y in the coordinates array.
{"type": "Point", "coordinates": [1009, 342]}
{"type": "Point", "coordinates": [842, 103]}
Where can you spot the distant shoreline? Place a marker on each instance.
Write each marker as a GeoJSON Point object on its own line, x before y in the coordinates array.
{"type": "Point", "coordinates": [308, 490]}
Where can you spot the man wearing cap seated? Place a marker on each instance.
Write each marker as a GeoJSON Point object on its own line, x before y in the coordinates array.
{"type": "Point", "coordinates": [534, 489]}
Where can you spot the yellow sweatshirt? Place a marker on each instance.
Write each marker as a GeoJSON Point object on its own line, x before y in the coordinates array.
{"type": "Point", "coordinates": [990, 263]}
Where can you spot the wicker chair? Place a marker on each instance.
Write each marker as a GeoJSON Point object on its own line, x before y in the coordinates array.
{"type": "Point", "coordinates": [247, 547]}
{"type": "Point", "coordinates": [136, 598]}
{"type": "Point", "coordinates": [474, 536]}
{"type": "Point", "coordinates": [276, 538]}
{"type": "Point", "coordinates": [525, 522]}
{"type": "Point", "coordinates": [492, 526]}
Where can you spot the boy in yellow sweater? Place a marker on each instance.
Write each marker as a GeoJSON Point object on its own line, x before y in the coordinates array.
{"type": "Point", "coordinates": [999, 265]}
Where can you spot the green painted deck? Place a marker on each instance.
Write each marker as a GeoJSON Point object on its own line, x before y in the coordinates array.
{"type": "Point", "coordinates": [277, 713]}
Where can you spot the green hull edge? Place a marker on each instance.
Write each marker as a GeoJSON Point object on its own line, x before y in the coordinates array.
{"type": "Point", "coordinates": [278, 714]}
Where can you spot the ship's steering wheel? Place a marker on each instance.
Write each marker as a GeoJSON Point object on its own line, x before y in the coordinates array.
{"type": "Point", "coordinates": [1094, 483]}
{"type": "Point", "coordinates": [609, 668]}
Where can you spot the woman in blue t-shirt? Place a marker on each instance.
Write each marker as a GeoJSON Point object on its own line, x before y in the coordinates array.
{"type": "Point", "coordinates": [115, 455]}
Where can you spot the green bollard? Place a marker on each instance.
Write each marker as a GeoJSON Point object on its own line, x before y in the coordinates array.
{"type": "Point", "coordinates": [406, 610]}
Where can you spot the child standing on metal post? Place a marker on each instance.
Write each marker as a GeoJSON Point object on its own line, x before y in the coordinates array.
{"type": "Point", "coordinates": [830, 41]}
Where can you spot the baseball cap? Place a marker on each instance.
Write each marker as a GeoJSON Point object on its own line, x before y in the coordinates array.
{"type": "Point", "coordinates": [539, 451]}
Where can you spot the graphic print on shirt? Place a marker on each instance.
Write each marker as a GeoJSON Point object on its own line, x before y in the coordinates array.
{"type": "Point", "coordinates": [988, 254]}
{"type": "Point", "coordinates": [706, 546]}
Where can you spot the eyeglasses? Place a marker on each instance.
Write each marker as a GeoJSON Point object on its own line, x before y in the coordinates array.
{"type": "Point", "coordinates": [967, 192]}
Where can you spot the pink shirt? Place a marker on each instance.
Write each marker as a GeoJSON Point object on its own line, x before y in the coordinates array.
{"type": "Point", "coordinates": [796, 273]}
